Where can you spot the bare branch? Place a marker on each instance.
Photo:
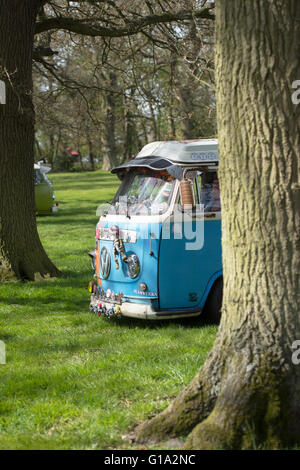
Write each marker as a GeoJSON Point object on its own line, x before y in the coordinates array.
{"type": "Point", "coordinates": [91, 28]}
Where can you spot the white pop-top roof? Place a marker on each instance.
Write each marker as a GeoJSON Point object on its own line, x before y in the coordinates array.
{"type": "Point", "coordinates": [44, 169]}
{"type": "Point", "coordinates": [186, 151]}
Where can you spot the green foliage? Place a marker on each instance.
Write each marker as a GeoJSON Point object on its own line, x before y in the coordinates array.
{"type": "Point", "coordinates": [73, 380]}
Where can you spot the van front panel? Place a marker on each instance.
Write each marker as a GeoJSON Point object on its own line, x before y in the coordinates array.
{"type": "Point", "coordinates": [119, 280]}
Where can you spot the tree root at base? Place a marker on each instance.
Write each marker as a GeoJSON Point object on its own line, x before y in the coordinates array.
{"type": "Point", "coordinates": [256, 408]}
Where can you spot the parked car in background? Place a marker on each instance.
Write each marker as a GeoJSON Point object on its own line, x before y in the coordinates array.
{"type": "Point", "coordinates": [44, 195]}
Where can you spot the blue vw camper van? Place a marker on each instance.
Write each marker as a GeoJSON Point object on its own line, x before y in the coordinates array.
{"type": "Point", "coordinates": [158, 244]}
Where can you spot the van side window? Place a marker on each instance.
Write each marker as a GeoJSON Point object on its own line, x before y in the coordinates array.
{"type": "Point", "coordinates": [208, 183]}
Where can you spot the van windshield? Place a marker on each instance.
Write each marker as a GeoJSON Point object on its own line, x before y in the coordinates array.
{"type": "Point", "coordinates": [144, 192]}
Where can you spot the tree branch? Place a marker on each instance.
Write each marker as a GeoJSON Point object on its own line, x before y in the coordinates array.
{"type": "Point", "coordinates": [90, 28]}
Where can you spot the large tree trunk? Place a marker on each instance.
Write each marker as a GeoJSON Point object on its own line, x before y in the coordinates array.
{"type": "Point", "coordinates": [21, 252]}
{"type": "Point", "coordinates": [248, 392]}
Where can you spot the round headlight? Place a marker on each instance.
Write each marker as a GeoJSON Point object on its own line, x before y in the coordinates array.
{"type": "Point", "coordinates": [133, 266]}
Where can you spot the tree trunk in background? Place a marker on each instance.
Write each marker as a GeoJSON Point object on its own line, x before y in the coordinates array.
{"type": "Point", "coordinates": [109, 157]}
{"type": "Point", "coordinates": [189, 125]}
{"type": "Point", "coordinates": [51, 129]}
{"type": "Point", "coordinates": [90, 145]}
{"type": "Point", "coordinates": [51, 146]}
{"type": "Point", "coordinates": [247, 394]}
{"type": "Point", "coordinates": [130, 146]}
{"type": "Point", "coordinates": [38, 155]}
{"type": "Point", "coordinates": [186, 91]}
{"type": "Point", "coordinates": [56, 149]}
{"type": "Point", "coordinates": [155, 131]}
{"type": "Point", "coordinates": [92, 156]}
{"type": "Point", "coordinates": [172, 102]}
{"type": "Point", "coordinates": [21, 252]}
{"type": "Point", "coordinates": [80, 159]}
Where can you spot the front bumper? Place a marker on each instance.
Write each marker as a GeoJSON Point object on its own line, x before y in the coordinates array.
{"type": "Point", "coordinates": [137, 310]}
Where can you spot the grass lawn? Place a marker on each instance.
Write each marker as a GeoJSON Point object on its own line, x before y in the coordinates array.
{"type": "Point", "coordinates": [73, 380]}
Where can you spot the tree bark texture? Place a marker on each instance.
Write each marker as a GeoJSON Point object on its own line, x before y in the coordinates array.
{"type": "Point", "coordinates": [21, 252]}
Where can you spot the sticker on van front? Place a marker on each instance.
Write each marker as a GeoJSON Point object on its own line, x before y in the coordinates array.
{"type": "Point", "coordinates": [128, 236]}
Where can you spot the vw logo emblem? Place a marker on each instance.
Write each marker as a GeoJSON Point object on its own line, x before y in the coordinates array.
{"type": "Point", "coordinates": [104, 263]}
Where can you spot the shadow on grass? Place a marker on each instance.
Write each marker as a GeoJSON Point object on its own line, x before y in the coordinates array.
{"type": "Point", "coordinates": [194, 322]}
{"type": "Point", "coordinates": [50, 305]}
{"type": "Point", "coordinates": [74, 217]}
{"type": "Point", "coordinates": [50, 295]}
